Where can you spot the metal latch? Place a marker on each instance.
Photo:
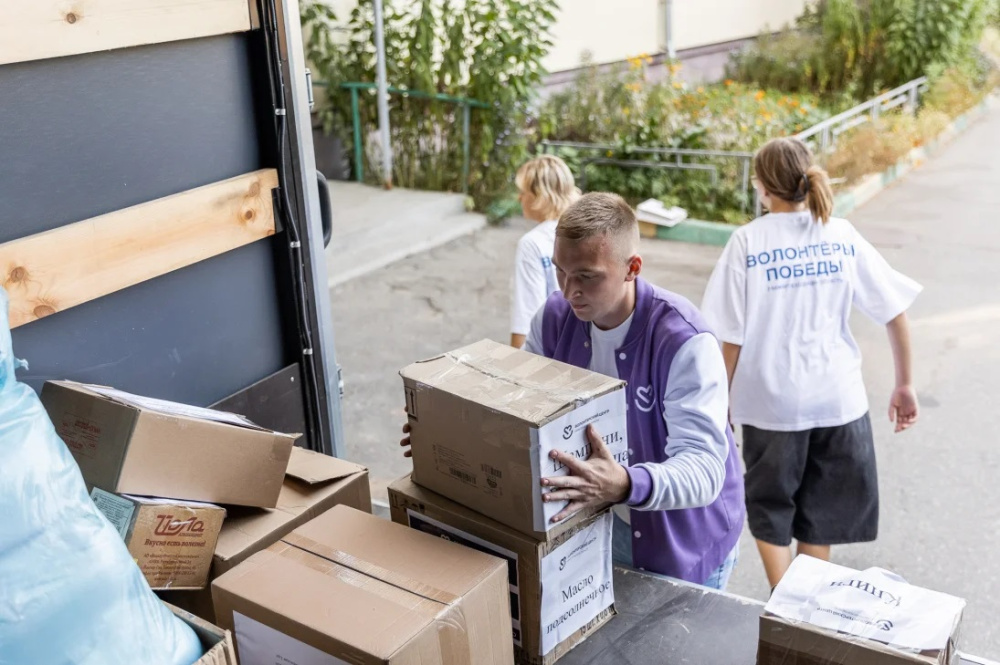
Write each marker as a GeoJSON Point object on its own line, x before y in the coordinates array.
{"type": "Point", "coordinates": [309, 88]}
{"type": "Point", "coordinates": [340, 379]}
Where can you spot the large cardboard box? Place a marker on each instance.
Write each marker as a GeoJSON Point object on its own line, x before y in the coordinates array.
{"type": "Point", "coordinates": [129, 444]}
{"type": "Point", "coordinates": [172, 541]}
{"type": "Point", "coordinates": [218, 643]}
{"type": "Point", "coordinates": [824, 614]}
{"type": "Point", "coordinates": [314, 483]}
{"type": "Point", "coordinates": [560, 589]}
{"type": "Point", "coordinates": [350, 587]}
{"type": "Point", "coordinates": [485, 417]}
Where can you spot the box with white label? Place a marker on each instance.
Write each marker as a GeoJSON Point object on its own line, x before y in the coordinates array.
{"type": "Point", "coordinates": [560, 588]}
{"type": "Point", "coordinates": [171, 541]}
{"type": "Point", "coordinates": [348, 587]}
{"type": "Point", "coordinates": [484, 419]}
{"type": "Point", "coordinates": [824, 614]}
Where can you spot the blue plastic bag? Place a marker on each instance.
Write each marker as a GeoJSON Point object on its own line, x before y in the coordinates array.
{"type": "Point", "coordinates": [70, 592]}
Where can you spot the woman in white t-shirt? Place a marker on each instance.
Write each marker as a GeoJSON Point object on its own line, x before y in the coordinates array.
{"type": "Point", "coordinates": [779, 300]}
{"type": "Point", "coordinates": [546, 188]}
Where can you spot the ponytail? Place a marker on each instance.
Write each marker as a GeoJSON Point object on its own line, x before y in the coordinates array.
{"type": "Point", "coordinates": [786, 169]}
{"type": "Point", "coordinates": [819, 195]}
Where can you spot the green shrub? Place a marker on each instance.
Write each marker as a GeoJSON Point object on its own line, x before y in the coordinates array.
{"type": "Point", "coordinates": [487, 50]}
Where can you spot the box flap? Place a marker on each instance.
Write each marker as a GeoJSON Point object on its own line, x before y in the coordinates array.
{"type": "Point", "coordinates": [314, 468]}
{"type": "Point", "coordinates": [405, 558]}
{"type": "Point", "coordinates": [157, 501]}
{"type": "Point", "coordinates": [218, 643]}
{"type": "Point", "coordinates": [520, 384]}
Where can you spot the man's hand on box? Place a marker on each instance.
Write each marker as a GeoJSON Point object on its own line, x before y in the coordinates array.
{"type": "Point", "coordinates": [599, 479]}
{"type": "Point", "coordinates": [405, 441]}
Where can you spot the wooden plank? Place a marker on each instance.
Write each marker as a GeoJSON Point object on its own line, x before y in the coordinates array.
{"type": "Point", "coordinates": [36, 29]}
{"type": "Point", "coordinates": [53, 271]}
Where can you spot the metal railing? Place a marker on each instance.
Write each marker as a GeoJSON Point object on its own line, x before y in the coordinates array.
{"type": "Point", "coordinates": [466, 104]}
{"type": "Point", "coordinates": [823, 136]}
{"type": "Point", "coordinates": [682, 160]}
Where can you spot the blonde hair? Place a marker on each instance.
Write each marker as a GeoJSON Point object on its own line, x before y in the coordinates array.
{"type": "Point", "coordinates": [786, 169]}
{"type": "Point", "coordinates": [601, 214]}
{"type": "Point", "coordinates": [549, 180]}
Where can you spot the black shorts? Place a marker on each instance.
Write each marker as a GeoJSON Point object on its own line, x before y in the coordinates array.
{"type": "Point", "coordinates": [819, 486]}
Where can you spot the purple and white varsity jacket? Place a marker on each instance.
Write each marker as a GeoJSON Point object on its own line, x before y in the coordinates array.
{"type": "Point", "coordinates": [688, 543]}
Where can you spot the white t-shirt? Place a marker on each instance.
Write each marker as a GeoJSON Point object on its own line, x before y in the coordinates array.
{"type": "Point", "coordinates": [783, 291]}
{"type": "Point", "coordinates": [534, 276]}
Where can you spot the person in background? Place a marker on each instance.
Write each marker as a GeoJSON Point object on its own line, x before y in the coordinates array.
{"type": "Point", "coordinates": [546, 188]}
{"type": "Point", "coordinates": [779, 300]}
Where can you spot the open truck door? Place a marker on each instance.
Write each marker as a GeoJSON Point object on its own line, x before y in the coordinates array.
{"type": "Point", "coordinates": [160, 221]}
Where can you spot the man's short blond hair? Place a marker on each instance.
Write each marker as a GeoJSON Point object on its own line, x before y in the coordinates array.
{"type": "Point", "coordinates": [550, 181]}
{"type": "Point", "coordinates": [602, 214]}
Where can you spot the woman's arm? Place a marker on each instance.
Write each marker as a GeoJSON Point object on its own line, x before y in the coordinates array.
{"type": "Point", "coordinates": [903, 406]}
{"type": "Point", "coordinates": [731, 355]}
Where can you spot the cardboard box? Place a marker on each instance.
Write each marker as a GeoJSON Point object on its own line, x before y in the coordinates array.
{"type": "Point", "coordinates": [485, 417]}
{"type": "Point", "coordinates": [218, 643]}
{"type": "Point", "coordinates": [314, 483]}
{"type": "Point", "coordinates": [172, 541]}
{"type": "Point", "coordinates": [364, 590]}
{"type": "Point", "coordinates": [783, 642]}
{"type": "Point", "coordinates": [543, 576]}
{"type": "Point", "coordinates": [128, 444]}
{"type": "Point", "coordinates": [825, 614]}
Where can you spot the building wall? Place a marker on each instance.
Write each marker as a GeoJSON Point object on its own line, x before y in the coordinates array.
{"type": "Point", "coordinates": [612, 30]}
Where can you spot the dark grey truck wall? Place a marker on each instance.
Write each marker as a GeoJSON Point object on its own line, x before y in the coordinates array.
{"type": "Point", "coordinates": [89, 134]}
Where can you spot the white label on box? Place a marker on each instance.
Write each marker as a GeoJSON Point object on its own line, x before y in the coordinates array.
{"type": "Point", "coordinates": [258, 644]}
{"type": "Point", "coordinates": [875, 604]}
{"type": "Point", "coordinates": [119, 511]}
{"type": "Point", "coordinates": [433, 527]}
{"type": "Point", "coordinates": [576, 582]}
{"type": "Point", "coordinates": [568, 433]}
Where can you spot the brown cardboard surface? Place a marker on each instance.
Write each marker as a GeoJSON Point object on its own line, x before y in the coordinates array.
{"type": "Point", "coordinates": [125, 446]}
{"type": "Point", "coordinates": [171, 541]}
{"type": "Point", "coordinates": [405, 496]}
{"type": "Point", "coordinates": [525, 386]}
{"type": "Point", "coordinates": [475, 415]}
{"type": "Point", "coordinates": [369, 591]}
{"type": "Point", "coordinates": [783, 642]}
{"type": "Point", "coordinates": [218, 643]}
{"type": "Point", "coordinates": [247, 531]}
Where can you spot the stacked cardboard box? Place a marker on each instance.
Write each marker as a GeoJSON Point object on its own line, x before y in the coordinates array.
{"type": "Point", "coordinates": [348, 587]}
{"type": "Point", "coordinates": [484, 420]}
{"type": "Point", "coordinates": [153, 467]}
{"type": "Point", "coordinates": [157, 469]}
{"type": "Point", "coordinates": [313, 484]}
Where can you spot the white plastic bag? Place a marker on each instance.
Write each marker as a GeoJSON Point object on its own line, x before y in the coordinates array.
{"type": "Point", "coordinates": [70, 593]}
{"type": "Point", "coordinates": [874, 604]}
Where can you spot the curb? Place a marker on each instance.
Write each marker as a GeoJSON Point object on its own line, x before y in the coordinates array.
{"type": "Point", "coordinates": [690, 230]}
{"type": "Point", "coordinates": [718, 233]}
{"type": "Point", "coordinates": [870, 186]}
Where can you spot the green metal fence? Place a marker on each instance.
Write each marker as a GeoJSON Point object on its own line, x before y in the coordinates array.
{"type": "Point", "coordinates": [465, 103]}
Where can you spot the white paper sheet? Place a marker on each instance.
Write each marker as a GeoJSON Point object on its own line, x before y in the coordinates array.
{"type": "Point", "coordinates": [569, 434]}
{"type": "Point", "coordinates": [173, 408]}
{"type": "Point", "coordinates": [262, 645]}
{"type": "Point", "coordinates": [576, 582]}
